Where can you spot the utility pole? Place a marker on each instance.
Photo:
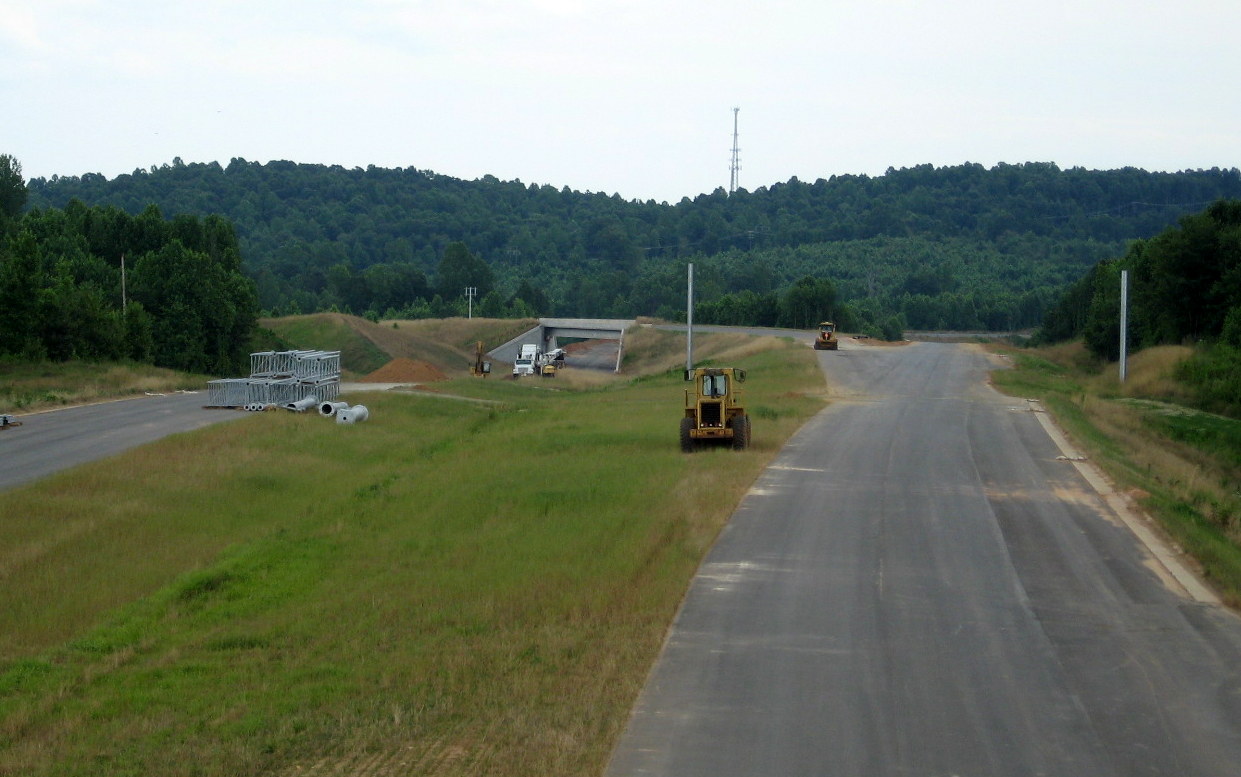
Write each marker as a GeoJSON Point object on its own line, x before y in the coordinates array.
{"type": "Point", "coordinates": [124, 304]}
{"type": "Point", "coordinates": [1124, 325]}
{"type": "Point", "coordinates": [734, 166]}
{"type": "Point", "coordinates": [689, 320]}
{"type": "Point", "coordinates": [470, 293]}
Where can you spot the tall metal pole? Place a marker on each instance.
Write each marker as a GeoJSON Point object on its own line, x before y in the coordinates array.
{"type": "Point", "coordinates": [124, 303]}
{"type": "Point", "coordinates": [470, 291]}
{"type": "Point", "coordinates": [734, 165]}
{"type": "Point", "coordinates": [1124, 325]}
{"type": "Point", "coordinates": [689, 321]}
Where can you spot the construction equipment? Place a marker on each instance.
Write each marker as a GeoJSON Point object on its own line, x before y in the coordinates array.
{"type": "Point", "coordinates": [528, 361]}
{"type": "Point", "coordinates": [715, 408]}
{"type": "Point", "coordinates": [826, 341]}
{"type": "Point", "coordinates": [8, 422]}
{"type": "Point", "coordinates": [480, 368]}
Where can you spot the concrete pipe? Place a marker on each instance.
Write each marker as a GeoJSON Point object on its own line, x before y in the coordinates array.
{"type": "Point", "coordinates": [329, 409]}
{"type": "Point", "coordinates": [302, 405]}
{"type": "Point", "coordinates": [352, 415]}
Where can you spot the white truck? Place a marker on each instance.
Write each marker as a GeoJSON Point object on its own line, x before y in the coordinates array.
{"type": "Point", "coordinates": [529, 361]}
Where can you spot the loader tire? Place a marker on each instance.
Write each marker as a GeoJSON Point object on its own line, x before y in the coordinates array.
{"type": "Point", "coordinates": [741, 432]}
{"type": "Point", "coordinates": [687, 442]}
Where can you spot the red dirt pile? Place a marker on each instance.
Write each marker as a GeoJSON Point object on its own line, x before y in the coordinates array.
{"type": "Point", "coordinates": [402, 370]}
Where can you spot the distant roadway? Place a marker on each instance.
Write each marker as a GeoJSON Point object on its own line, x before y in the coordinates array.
{"type": "Point", "coordinates": [920, 584]}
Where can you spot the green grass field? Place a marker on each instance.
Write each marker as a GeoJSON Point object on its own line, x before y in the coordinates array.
{"type": "Point", "coordinates": [453, 587]}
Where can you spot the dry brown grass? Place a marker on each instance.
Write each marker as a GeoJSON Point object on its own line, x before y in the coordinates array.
{"type": "Point", "coordinates": [1073, 355]}
{"type": "Point", "coordinates": [41, 386]}
{"type": "Point", "coordinates": [1150, 375]}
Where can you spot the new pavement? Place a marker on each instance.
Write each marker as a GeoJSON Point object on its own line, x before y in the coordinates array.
{"type": "Point", "coordinates": [919, 586]}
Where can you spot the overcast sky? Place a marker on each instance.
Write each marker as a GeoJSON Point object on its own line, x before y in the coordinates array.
{"type": "Point", "coordinates": [633, 97]}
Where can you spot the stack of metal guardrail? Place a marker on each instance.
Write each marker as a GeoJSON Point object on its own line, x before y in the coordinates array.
{"type": "Point", "coordinates": [280, 378]}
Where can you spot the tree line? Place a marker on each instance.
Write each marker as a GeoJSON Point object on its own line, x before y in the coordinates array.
{"type": "Point", "coordinates": [962, 247]}
{"type": "Point", "coordinates": [98, 283]}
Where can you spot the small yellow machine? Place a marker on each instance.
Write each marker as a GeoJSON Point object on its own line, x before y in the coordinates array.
{"type": "Point", "coordinates": [715, 408]}
{"type": "Point", "coordinates": [826, 341]}
{"type": "Point", "coordinates": [480, 368]}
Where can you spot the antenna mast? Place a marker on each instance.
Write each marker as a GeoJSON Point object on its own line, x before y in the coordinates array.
{"type": "Point", "coordinates": [735, 165]}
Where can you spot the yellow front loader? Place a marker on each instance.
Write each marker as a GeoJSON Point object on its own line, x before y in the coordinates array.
{"type": "Point", "coordinates": [715, 408]}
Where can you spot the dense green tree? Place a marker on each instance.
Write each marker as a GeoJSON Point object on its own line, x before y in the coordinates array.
{"type": "Point", "coordinates": [536, 301]}
{"type": "Point", "coordinates": [607, 239]}
{"type": "Point", "coordinates": [21, 278]}
{"type": "Point", "coordinates": [808, 302]}
{"type": "Point", "coordinates": [12, 188]}
{"type": "Point", "coordinates": [139, 333]}
{"type": "Point", "coordinates": [347, 291]}
{"type": "Point", "coordinates": [491, 306]}
{"type": "Point", "coordinates": [76, 322]}
{"type": "Point", "coordinates": [460, 269]}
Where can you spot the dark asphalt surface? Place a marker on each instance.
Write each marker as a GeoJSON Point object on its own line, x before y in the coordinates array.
{"type": "Point", "coordinates": [49, 442]}
{"type": "Point", "coordinates": [917, 586]}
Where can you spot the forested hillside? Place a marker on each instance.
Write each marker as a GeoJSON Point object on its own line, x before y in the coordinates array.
{"type": "Point", "coordinates": [961, 247]}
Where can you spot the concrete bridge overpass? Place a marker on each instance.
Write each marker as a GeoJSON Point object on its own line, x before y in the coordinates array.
{"type": "Point", "coordinates": [549, 331]}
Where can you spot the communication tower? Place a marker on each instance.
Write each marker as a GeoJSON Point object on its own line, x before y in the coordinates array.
{"type": "Point", "coordinates": [734, 166]}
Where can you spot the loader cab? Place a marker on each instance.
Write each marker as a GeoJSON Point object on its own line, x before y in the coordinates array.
{"type": "Point", "coordinates": [715, 382]}
{"type": "Point", "coordinates": [715, 386]}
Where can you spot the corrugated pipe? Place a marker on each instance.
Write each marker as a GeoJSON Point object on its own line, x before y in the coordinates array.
{"type": "Point", "coordinates": [352, 415]}
{"type": "Point", "coordinates": [301, 405]}
{"type": "Point", "coordinates": [329, 409]}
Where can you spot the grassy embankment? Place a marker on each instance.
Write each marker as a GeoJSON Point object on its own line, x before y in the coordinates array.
{"type": "Point", "coordinates": [453, 587]}
{"type": "Point", "coordinates": [1183, 465]}
{"type": "Point", "coordinates": [26, 387]}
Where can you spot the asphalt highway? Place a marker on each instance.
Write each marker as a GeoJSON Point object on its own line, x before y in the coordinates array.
{"type": "Point", "coordinates": [919, 586]}
{"type": "Point", "coordinates": [49, 442]}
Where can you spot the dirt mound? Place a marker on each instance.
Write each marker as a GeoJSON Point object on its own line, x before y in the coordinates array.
{"type": "Point", "coordinates": [404, 370]}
